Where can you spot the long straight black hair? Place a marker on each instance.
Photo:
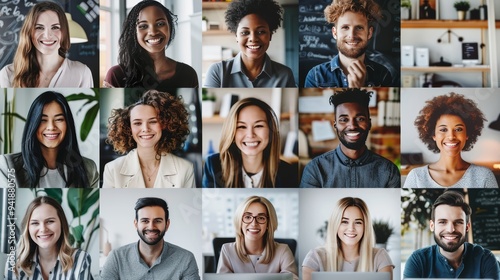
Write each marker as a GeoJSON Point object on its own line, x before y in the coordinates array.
{"type": "Point", "coordinates": [68, 152]}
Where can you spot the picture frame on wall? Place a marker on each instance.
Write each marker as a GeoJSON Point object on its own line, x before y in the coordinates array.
{"type": "Point", "coordinates": [428, 9]}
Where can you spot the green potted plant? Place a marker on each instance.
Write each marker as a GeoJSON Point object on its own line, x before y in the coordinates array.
{"type": "Point", "coordinates": [383, 230]}
{"type": "Point", "coordinates": [405, 9]}
{"type": "Point", "coordinates": [204, 23]}
{"type": "Point", "coordinates": [207, 104]}
{"type": "Point", "coordinates": [462, 7]}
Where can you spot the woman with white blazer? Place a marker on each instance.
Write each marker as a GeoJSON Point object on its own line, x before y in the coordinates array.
{"type": "Point", "coordinates": [158, 124]}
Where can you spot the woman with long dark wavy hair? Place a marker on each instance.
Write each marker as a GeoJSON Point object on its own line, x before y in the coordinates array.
{"type": "Point", "coordinates": [49, 157]}
{"type": "Point", "coordinates": [40, 59]}
{"type": "Point", "coordinates": [147, 32]}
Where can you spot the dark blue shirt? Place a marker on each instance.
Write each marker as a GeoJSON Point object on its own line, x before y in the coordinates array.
{"type": "Point", "coordinates": [428, 262]}
{"type": "Point", "coordinates": [329, 74]}
{"type": "Point", "coordinates": [334, 169]}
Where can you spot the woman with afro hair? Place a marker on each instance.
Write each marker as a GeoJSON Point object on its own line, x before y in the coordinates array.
{"type": "Point", "coordinates": [148, 131]}
{"type": "Point", "coordinates": [147, 32]}
{"type": "Point", "coordinates": [253, 22]}
{"type": "Point", "coordinates": [448, 125]}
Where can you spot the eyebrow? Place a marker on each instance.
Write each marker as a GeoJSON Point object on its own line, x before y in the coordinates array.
{"type": "Point", "coordinates": [152, 118]}
{"type": "Point", "coordinates": [36, 220]}
{"type": "Point", "coordinates": [58, 115]}
{"type": "Point", "coordinates": [258, 121]}
{"type": "Point", "coordinates": [460, 124]}
{"type": "Point", "coordinates": [249, 213]}
{"type": "Point", "coordinates": [359, 219]}
{"type": "Point", "coordinates": [164, 18]}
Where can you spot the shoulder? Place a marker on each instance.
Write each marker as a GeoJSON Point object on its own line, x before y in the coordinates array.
{"type": "Point", "coordinates": [323, 158]}
{"type": "Point", "coordinates": [425, 253]}
{"type": "Point", "coordinates": [87, 162]}
{"type": "Point", "coordinates": [74, 65]}
{"type": "Point", "coordinates": [380, 160]}
{"type": "Point", "coordinates": [478, 250]}
{"type": "Point", "coordinates": [126, 250]}
{"type": "Point", "coordinates": [115, 70]}
{"type": "Point", "coordinates": [279, 67]}
{"type": "Point", "coordinates": [12, 160]}
{"type": "Point", "coordinates": [213, 160]}
{"type": "Point", "coordinates": [178, 160]}
{"type": "Point", "coordinates": [6, 76]}
{"type": "Point", "coordinates": [118, 162]}
{"type": "Point", "coordinates": [184, 68]}
{"type": "Point", "coordinates": [478, 170]}
{"type": "Point", "coordinates": [177, 251]}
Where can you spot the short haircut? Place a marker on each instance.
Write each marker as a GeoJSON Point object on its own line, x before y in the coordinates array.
{"type": "Point", "coordinates": [452, 198]}
{"type": "Point", "coordinates": [450, 104]}
{"type": "Point", "coordinates": [150, 201]}
{"type": "Point", "coordinates": [368, 8]}
{"type": "Point", "coordinates": [268, 10]}
{"type": "Point", "coordinates": [351, 95]}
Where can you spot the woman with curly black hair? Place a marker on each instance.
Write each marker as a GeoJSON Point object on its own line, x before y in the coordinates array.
{"type": "Point", "coordinates": [448, 125]}
{"type": "Point", "coordinates": [148, 131]}
{"type": "Point", "coordinates": [253, 22]}
{"type": "Point", "coordinates": [147, 32]}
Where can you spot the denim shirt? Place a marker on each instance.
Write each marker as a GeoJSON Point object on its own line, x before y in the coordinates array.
{"type": "Point", "coordinates": [334, 169]}
{"type": "Point", "coordinates": [330, 74]}
{"type": "Point", "coordinates": [428, 262]}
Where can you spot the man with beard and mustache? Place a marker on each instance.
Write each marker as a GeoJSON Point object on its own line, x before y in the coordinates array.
{"type": "Point", "coordinates": [353, 22]}
{"type": "Point", "coordinates": [151, 257]}
{"type": "Point", "coordinates": [451, 257]}
{"type": "Point", "coordinates": [351, 164]}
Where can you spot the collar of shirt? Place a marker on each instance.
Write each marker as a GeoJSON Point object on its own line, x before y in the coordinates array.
{"type": "Point", "coordinates": [335, 64]}
{"type": "Point", "coordinates": [251, 181]}
{"type": "Point", "coordinates": [345, 160]}
{"type": "Point", "coordinates": [266, 69]}
{"type": "Point", "coordinates": [158, 260]}
{"type": "Point", "coordinates": [38, 268]}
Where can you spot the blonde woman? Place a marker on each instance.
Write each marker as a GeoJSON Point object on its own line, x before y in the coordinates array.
{"type": "Point", "coordinates": [255, 250]}
{"type": "Point", "coordinates": [349, 244]}
{"type": "Point", "coordinates": [40, 59]}
{"type": "Point", "coordinates": [249, 150]}
{"type": "Point", "coordinates": [44, 251]}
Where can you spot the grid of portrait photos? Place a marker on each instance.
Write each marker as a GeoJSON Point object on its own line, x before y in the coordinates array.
{"type": "Point", "coordinates": [250, 139]}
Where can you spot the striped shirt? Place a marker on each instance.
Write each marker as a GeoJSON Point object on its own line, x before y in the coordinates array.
{"type": "Point", "coordinates": [79, 271]}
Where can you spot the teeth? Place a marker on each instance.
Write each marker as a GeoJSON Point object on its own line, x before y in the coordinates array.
{"type": "Point", "coordinates": [450, 237]}
{"type": "Point", "coordinates": [146, 137]}
{"type": "Point", "coordinates": [350, 235]}
{"type": "Point", "coordinates": [451, 144]}
{"type": "Point", "coordinates": [251, 144]}
{"type": "Point", "coordinates": [154, 41]}
{"type": "Point", "coordinates": [254, 230]}
{"type": "Point", "coordinates": [253, 47]}
{"type": "Point", "coordinates": [352, 133]}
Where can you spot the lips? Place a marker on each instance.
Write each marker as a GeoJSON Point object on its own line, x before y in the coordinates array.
{"type": "Point", "coordinates": [44, 237]}
{"type": "Point", "coordinates": [48, 43]}
{"type": "Point", "coordinates": [254, 47]}
{"type": "Point", "coordinates": [253, 230]}
{"type": "Point", "coordinates": [251, 144]}
{"type": "Point", "coordinates": [451, 145]}
{"type": "Point", "coordinates": [151, 233]}
{"type": "Point", "coordinates": [51, 136]}
{"type": "Point", "coordinates": [146, 137]}
{"type": "Point", "coordinates": [350, 235]}
{"type": "Point", "coordinates": [353, 135]}
{"type": "Point", "coordinates": [154, 41]}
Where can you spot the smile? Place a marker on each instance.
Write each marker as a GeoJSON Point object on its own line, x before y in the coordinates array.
{"type": "Point", "coordinates": [251, 144]}
{"type": "Point", "coordinates": [146, 137]}
{"type": "Point", "coordinates": [253, 230]}
{"type": "Point", "coordinates": [352, 134]}
{"type": "Point", "coordinates": [51, 136]}
{"type": "Point", "coordinates": [48, 43]}
{"type": "Point", "coordinates": [451, 145]}
{"type": "Point", "coordinates": [44, 237]}
{"type": "Point", "coordinates": [450, 237]}
{"type": "Point", "coordinates": [350, 235]}
{"type": "Point", "coordinates": [254, 47]}
{"type": "Point", "coordinates": [154, 41]}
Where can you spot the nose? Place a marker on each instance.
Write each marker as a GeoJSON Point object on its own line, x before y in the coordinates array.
{"type": "Point", "coordinates": [50, 125]}
{"type": "Point", "coordinates": [352, 123]}
{"type": "Point", "coordinates": [450, 134]}
{"type": "Point", "coordinates": [250, 132]}
{"type": "Point", "coordinates": [253, 37]}
{"type": "Point", "coordinates": [152, 30]}
{"type": "Point", "coordinates": [145, 127]}
{"type": "Point", "coordinates": [47, 33]}
{"type": "Point", "coordinates": [450, 227]}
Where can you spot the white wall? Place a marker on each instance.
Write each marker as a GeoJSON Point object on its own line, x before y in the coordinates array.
{"type": "Point", "coordinates": [24, 98]}
{"type": "Point", "coordinates": [487, 147]}
{"type": "Point", "coordinates": [316, 207]}
{"type": "Point", "coordinates": [118, 214]}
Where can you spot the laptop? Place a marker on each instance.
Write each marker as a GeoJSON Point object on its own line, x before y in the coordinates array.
{"type": "Point", "coordinates": [248, 276]}
{"type": "Point", "coordinates": [351, 276]}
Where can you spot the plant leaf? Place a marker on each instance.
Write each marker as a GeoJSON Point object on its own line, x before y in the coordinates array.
{"type": "Point", "coordinates": [88, 121]}
{"type": "Point", "coordinates": [55, 194]}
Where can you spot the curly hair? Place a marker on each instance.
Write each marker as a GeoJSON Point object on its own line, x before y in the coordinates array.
{"type": "Point", "coordinates": [452, 104]}
{"type": "Point", "coordinates": [368, 8]}
{"type": "Point", "coordinates": [351, 95]}
{"type": "Point", "coordinates": [26, 67]}
{"type": "Point", "coordinates": [269, 10]}
{"type": "Point", "coordinates": [172, 116]}
{"type": "Point", "coordinates": [134, 60]}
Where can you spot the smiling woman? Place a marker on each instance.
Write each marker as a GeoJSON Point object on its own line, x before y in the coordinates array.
{"type": "Point", "coordinates": [255, 250]}
{"type": "Point", "coordinates": [40, 59]}
{"type": "Point", "coordinates": [448, 125]}
{"type": "Point", "coordinates": [147, 32]}
{"type": "Point", "coordinates": [253, 22]}
{"type": "Point", "coordinates": [44, 247]}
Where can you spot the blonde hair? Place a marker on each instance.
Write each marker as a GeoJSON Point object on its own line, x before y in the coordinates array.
{"type": "Point", "coordinates": [27, 247]}
{"type": "Point", "coordinates": [272, 226]}
{"type": "Point", "coordinates": [26, 68]}
{"type": "Point", "coordinates": [230, 155]}
{"type": "Point", "coordinates": [334, 254]}
{"type": "Point", "coordinates": [368, 8]}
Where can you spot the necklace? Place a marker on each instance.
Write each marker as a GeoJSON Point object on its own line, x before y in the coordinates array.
{"type": "Point", "coordinates": [152, 173]}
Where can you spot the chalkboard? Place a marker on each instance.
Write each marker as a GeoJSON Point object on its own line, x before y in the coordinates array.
{"type": "Point", "coordinates": [317, 45]}
{"type": "Point", "coordinates": [485, 204]}
{"type": "Point", "coordinates": [85, 13]}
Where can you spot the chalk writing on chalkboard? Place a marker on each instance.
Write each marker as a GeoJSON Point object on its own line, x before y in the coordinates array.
{"type": "Point", "coordinates": [485, 217]}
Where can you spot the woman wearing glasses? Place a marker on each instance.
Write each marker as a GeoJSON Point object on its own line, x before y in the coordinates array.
{"type": "Point", "coordinates": [255, 250]}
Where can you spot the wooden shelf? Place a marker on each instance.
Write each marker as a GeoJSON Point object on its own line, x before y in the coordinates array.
{"type": "Point", "coordinates": [477, 68]}
{"type": "Point", "coordinates": [429, 23]}
{"type": "Point", "coordinates": [219, 32]}
{"type": "Point", "coordinates": [209, 5]}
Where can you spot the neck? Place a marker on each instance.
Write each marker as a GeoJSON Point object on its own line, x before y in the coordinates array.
{"type": "Point", "coordinates": [350, 252]}
{"type": "Point", "coordinates": [454, 258]}
{"type": "Point", "coordinates": [147, 156]}
{"type": "Point", "coordinates": [149, 253]}
{"type": "Point", "coordinates": [49, 63]}
{"type": "Point", "coordinates": [252, 164]}
{"type": "Point", "coordinates": [352, 154]}
{"type": "Point", "coordinates": [451, 163]}
{"type": "Point", "coordinates": [50, 156]}
{"type": "Point", "coordinates": [254, 247]}
{"type": "Point", "coordinates": [252, 67]}
{"type": "Point", "coordinates": [47, 254]}
{"type": "Point", "coordinates": [346, 61]}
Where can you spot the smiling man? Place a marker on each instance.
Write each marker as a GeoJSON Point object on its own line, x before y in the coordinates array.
{"type": "Point", "coordinates": [451, 256]}
{"type": "Point", "coordinates": [353, 22]}
{"type": "Point", "coordinates": [351, 164]}
{"type": "Point", "coordinates": [151, 257]}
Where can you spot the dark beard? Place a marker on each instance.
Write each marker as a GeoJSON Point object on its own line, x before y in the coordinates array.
{"type": "Point", "coordinates": [353, 145]}
{"type": "Point", "coordinates": [449, 248]}
{"type": "Point", "coordinates": [155, 241]}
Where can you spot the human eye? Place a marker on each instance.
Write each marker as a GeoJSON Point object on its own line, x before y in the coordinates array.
{"type": "Point", "coordinates": [153, 121]}
{"type": "Point", "coordinates": [443, 129]}
{"type": "Point", "coordinates": [360, 119]}
{"type": "Point", "coordinates": [34, 223]}
{"type": "Point", "coordinates": [359, 222]}
{"type": "Point", "coordinates": [244, 33]}
{"type": "Point", "coordinates": [56, 27]}
{"type": "Point", "coordinates": [142, 26]}
{"type": "Point", "coordinates": [261, 219]}
{"type": "Point", "coordinates": [136, 123]}
{"type": "Point", "coordinates": [344, 222]}
{"type": "Point", "coordinates": [459, 129]}
{"type": "Point", "coordinates": [241, 127]}
{"type": "Point", "coordinates": [161, 23]}
{"type": "Point", "coordinates": [60, 120]}
{"type": "Point", "coordinates": [38, 27]}
{"type": "Point", "coordinates": [343, 120]}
